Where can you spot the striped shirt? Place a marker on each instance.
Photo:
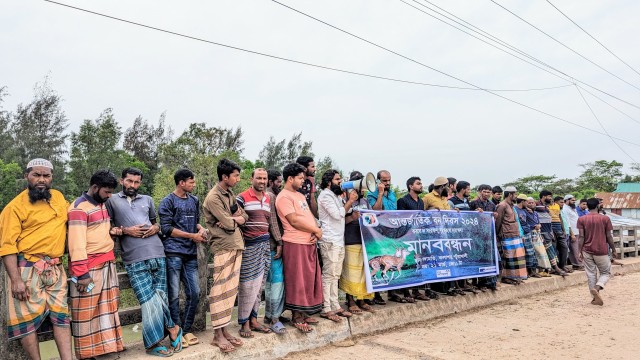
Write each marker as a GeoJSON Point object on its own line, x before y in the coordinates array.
{"type": "Point", "coordinates": [89, 241]}
{"type": "Point", "coordinates": [259, 211]}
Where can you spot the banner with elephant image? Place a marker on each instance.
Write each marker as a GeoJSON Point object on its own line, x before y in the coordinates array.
{"type": "Point", "coordinates": [409, 248]}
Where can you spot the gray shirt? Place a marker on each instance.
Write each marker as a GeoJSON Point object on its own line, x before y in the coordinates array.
{"type": "Point", "coordinates": [140, 211]}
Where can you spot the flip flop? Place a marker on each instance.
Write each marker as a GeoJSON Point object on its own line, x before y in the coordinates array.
{"type": "Point", "coordinates": [379, 301]}
{"type": "Point", "coordinates": [244, 334]}
{"type": "Point", "coordinates": [421, 297]}
{"type": "Point", "coordinates": [176, 344]}
{"type": "Point", "coordinates": [398, 299]}
{"type": "Point", "coordinates": [365, 307]}
{"type": "Point", "coordinates": [278, 328]}
{"type": "Point", "coordinates": [355, 309]}
{"type": "Point", "coordinates": [344, 313]}
{"type": "Point", "coordinates": [261, 329]}
{"type": "Point", "coordinates": [185, 343]}
{"type": "Point", "coordinates": [331, 316]}
{"type": "Point", "coordinates": [157, 351]}
{"type": "Point", "coordinates": [311, 320]}
{"type": "Point", "coordinates": [191, 339]}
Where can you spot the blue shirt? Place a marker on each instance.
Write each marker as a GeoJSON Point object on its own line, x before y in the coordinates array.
{"type": "Point", "coordinates": [389, 201]}
{"type": "Point", "coordinates": [182, 214]}
{"type": "Point", "coordinates": [582, 212]}
{"type": "Point", "coordinates": [522, 219]}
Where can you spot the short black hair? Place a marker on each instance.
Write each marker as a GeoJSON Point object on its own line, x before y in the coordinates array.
{"type": "Point", "coordinates": [412, 180]}
{"type": "Point", "coordinates": [452, 180]}
{"type": "Point", "coordinates": [518, 201]}
{"type": "Point", "coordinates": [182, 175]}
{"type": "Point", "coordinates": [226, 167]}
{"type": "Point", "coordinates": [544, 193]}
{"type": "Point", "coordinates": [496, 189]}
{"type": "Point", "coordinates": [557, 198]}
{"type": "Point", "coordinates": [462, 185]}
{"type": "Point", "coordinates": [355, 175]}
{"type": "Point", "coordinates": [484, 187]}
{"type": "Point", "coordinates": [507, 193]}
{"type": "Point", "coordinates": [104, 179]}
{"type": "Point", "coordinates": [430, 188]}
{"type": "Point", "coordinates": [273, 174]}
{"type": "Point", "coordinates": [327, 177]}
{"type": "Point", "coordinates": [304, 160]}
{"type": "Point", "coordinates": [593, 203]}
{"type": "Point", "coordinates": [292, 170]}
{"type": "Point", "coordinates": [253, 173]}
{"type": "Point", "coordinates": [582, 201]}
{"type": "Point", "coordinates": [132, 171]}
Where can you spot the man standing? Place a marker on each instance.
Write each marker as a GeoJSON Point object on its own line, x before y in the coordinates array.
{"type": "Point", "coordinates": [530, 252]}
{"type": "Point", "coordinates": [513, 255]}
{"type": "Point", "coordinates": [303, 288]}
{"type": "Point", "coordinates": [32, 240]}
{"type": "Point", "coordinates": [483, 201]}
{"type": "Point", "coordinates": [546, 230]}
{"type": "Point", "coordinates": [95, 323]}
{"type": "Point", "coordinates": [496, 195]}
{"type": "Point", "coordinates": [180, 224]}
{"type": "Point", "coordinates": [256, 257]}
{"type": "Point", "coordinates": [274, 287]}
{"type": "Point", "coordinates": [308, 188]}
{"type": "Point", "coordinates": [595, 240]}
{"type": "Point", "coordinates": [223, 218]}
{"type": "Point", "coordinates": [332, 214]}
{"type": "Point", "coordinates": [559, 233]}
{"type": "Point", "coordinates": [437, 199]}
{"type": "Point", "coordinates": [570, 215]}
{"type": "Point", "coordinates": [542, 259]}
{"type": "Point", "coordinates": [582, 208]}
{"type": "Point", "coordinates": [460, 201]}
{"type": "Point", "coordinates": [144, 260]}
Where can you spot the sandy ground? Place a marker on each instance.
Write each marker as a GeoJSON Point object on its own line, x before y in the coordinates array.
{"type": "Point", "coordinates": [554, 325]}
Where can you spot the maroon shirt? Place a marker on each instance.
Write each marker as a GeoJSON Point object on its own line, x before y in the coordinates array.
{"type": "Point", "coordinates": [594, 228]}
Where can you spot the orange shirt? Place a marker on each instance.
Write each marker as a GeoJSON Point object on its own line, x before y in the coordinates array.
{"type": "Point", "coordinates": [292, 202]}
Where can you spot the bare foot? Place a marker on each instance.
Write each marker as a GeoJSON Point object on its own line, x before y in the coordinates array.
{"type": "Point", "coordinates": [222, 343]}
{"type": "Point", "coordinates": [597, 300]}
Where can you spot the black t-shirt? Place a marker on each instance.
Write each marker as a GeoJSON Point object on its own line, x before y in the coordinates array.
{"type": "Point", "coordinates": [352, 234]}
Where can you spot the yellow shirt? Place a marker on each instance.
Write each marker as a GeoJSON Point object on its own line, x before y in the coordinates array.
{"type": "Point", "coordinates": [554, 211]}
{"type": "Point", "coordinates": [35, 230]}
{"type": "Point", "coordinates": [433, 200]}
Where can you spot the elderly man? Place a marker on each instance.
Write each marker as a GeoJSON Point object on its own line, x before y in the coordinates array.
{"type": "Point", "coordinates": [223, 218]}
{"type": "Point", "coordinates": [570, 215]}
{"type": "Point", "coordinates": [32, 240]}
{"type": "Point", "coordinates": [514, 268]}
{"type": "Point", "coordinates": [144, 260]}
{"type": "Point", "coordinates": [95, 321]}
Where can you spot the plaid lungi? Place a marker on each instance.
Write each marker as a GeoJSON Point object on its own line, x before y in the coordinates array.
{"type": "Point", "coordinates": [95, 323]}
{"type": "Point", "coordinates": [274, 289]}
{"type": "Point", "coordinates": [513, 257]}
{"type": "Point", "coordinates": [541, 253]}
{"type": "Point", "coordinates": [256, 261]}
{"type": "Point", "coordinates": [530, 252]}
{"type": "Point", "coordinates": [47, 298]}
{"type": "Point", "coordinates": [226, 274]}
{"type": "Point", "coordinates": [149, 281]}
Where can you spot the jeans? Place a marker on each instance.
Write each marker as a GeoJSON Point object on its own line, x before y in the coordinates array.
{"type": "Point", "coordinates": [562, 247]}
{"type": "Point", "coordinates": [186, 271]}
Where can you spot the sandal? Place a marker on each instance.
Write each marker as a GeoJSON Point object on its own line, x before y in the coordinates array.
{"type": "Point", "coordinates": [451, 292]}
{"type": "Point", "coordinates": [421, 297]}
{"type": "Point", "coordinates": [331, 316]}
{"type": "Point", "coordinates": [459, 292]}
{"type": "Point", "coordinates": [432, 294]}
{"type": "Point", "coordinates": [160, 351]}
{"type": "Point", "coordinates": [185, 343]}
{"type": "Point", "coordinates": [397, 298]}
{"type": "Point", "coordinates": [261, 329]}
{"type": "Point", "coordinates": [378, 301]}
{"type": "Point", "coordinates": [471, 289]}
{"type": "Point", "coordinates": [344, 313]}
{"type": "Point", "coordinates": [366, 308]}
{"type": "Point", "coordinates": [191, 339]}
{"type": "Point", "coordinates": [176, 343]}
{"type": "Point", "coordinates": [303, 327]}
{"type": "Point", "coordinates": [245, 334]}
{"type": "Point", "coordinates": [278, 328]}
{"type": "Point", "coordinates": [355, 309]}
{"type": "Point", "coordinates": [311, 321]}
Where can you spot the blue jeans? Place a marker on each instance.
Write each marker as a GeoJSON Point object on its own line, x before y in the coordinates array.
{"type": "Point", "coordinates": [185, 271]}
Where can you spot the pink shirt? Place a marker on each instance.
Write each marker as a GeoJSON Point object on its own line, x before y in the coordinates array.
{"type": "Point", "coordinates": [292, 202]}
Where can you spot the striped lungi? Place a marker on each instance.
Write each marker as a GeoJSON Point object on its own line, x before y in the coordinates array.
{"type": "Point", "coordinates": [95, 323]}
{"type": "Point", "coordinates": [149, 282]}
{"type": "Point", "coordinates": [530, 252]}
{"type": "Point", "coordinates": [548, 246]}
{"type": "Point", "coordinates": [352, 281]}
{"type": "Point", "coordinates": [256, 261]}
{"type": "Point", "coordinates": [274, 289]}
{"type": "Point", "coordinates": [303, 288]}
{"type": "Point", "coordinates": [226, 274]}
{"type": "Point", "coordinates": [47, 298]}
{"type": "Point", "coordinates": [513, 258]}
{"type": "Point", "coordinates": [541, 253]}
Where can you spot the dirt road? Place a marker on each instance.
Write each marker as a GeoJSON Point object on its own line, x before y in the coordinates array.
{"type": "Point", "coordinates": [558, 325]}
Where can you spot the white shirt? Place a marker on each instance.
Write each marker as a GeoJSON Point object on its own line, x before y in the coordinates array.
{"type": "Point", "coordinates": [331, 213]}
{"type": "Point", "coordinates": [571, 215]}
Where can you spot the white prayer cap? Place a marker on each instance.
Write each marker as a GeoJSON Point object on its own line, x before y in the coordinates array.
{"type": "Point", "coordinates": [40, 162]}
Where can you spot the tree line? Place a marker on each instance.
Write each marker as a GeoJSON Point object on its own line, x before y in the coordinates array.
{"type": "Point", "coordinates": [39, 128]}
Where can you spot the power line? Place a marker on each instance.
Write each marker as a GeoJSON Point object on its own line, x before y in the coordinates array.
{"type": "Point", "coordinates": [591, 36]}
{"type": "Point", "coordinates": [475, 87]}
{"type": "Point", "coordinates": [567, 47]}
{"type": "Point", "coordinates": [511, 47]}
{"type": "Point", "coordinates": [493, 38]}
{"type": "Point", "coordinates": [602, 126]}
{"type": "Point", "coordinates": [298, 61]}
{"type": "Point", "coordinates": [440, 71]}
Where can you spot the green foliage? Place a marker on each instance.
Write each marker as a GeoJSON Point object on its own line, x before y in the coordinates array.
{"type": "Point", "coordinates": [601, 175]}
{"type": "Point", "coordinates": [277, 154]}
{"type": "Point", "coordinates": [10, 182]}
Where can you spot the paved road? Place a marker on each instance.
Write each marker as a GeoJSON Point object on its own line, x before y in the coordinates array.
{"type": "Point", "coordinates": [556, 325]}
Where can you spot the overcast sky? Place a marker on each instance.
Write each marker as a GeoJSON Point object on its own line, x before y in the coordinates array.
{"type": "Point", "coordinates": [362, 123]}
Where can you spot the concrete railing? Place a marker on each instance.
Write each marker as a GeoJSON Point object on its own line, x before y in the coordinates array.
{"type": "Point", "coordinates": [626, 240]}
{"type": "Point", "coordinates": [128, 316]}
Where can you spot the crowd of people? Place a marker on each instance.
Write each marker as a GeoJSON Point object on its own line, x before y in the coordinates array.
{"type": "Point", "coordinates": [299, 242]}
